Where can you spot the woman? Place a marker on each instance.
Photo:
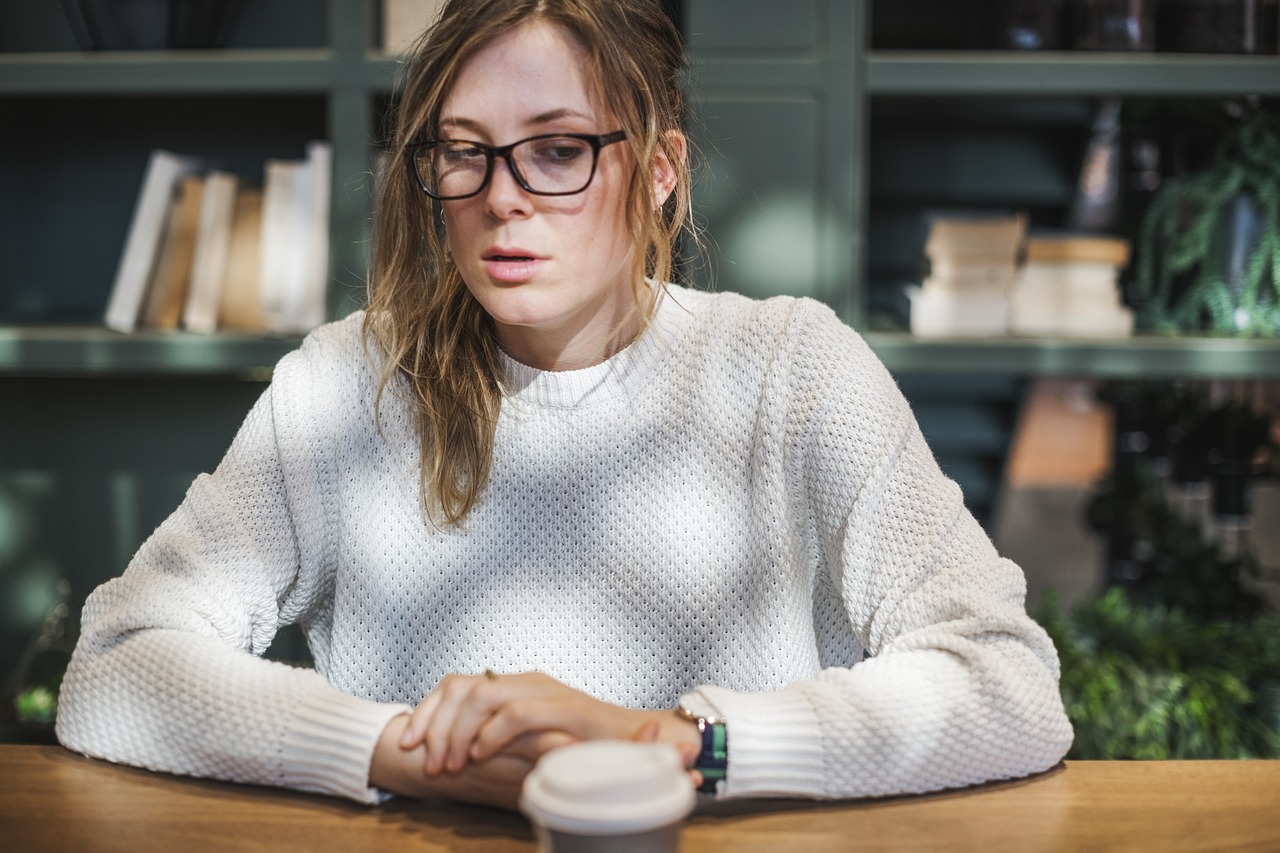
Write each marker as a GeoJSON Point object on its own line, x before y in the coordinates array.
{"type": "Point", "coordinates": [544, 497]}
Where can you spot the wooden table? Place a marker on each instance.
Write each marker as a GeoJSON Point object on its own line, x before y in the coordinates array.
{"type": "Point", "coordinates": [51, 799]}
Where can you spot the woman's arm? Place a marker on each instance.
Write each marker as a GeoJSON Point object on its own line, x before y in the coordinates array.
{"type": "Point", "coordinates": [166, 674]}
{"type": "Point", "coordinates": [960, 685]}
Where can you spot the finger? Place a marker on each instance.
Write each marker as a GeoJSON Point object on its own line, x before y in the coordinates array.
{"type": "Point", "coordinates": [453, 690]}
{"type": "Point", "coordinates": [688, 754]}
{"type": "Point", "coordinates": [413, 732]}
{"type": "Point", "coordinates": [518, 718]}
{"type": "Point", "coordinates": [473, 712]}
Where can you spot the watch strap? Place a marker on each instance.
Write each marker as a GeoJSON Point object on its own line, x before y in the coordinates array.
{"type": "Point", "coordinates": [713, 760]}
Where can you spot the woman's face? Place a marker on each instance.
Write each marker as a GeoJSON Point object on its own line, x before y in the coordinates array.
{"type": "Point", "coordinates": [552, 271]}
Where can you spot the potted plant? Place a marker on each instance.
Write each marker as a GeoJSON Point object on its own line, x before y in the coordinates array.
{"type": "Point", "coordinates": [1147, 681]}
{"type": "Point", "coordinates": [1209, 243]}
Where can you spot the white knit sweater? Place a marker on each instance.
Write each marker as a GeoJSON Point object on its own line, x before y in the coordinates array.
{"type": "Point", "coordinates": [739, 504]}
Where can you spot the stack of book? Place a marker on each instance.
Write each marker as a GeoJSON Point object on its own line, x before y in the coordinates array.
{"type": "Point", "coordinates": [972, 263]}
{"type": "Point", "coordinates": [1069, 286]}
{"type": "Point", "coordinates": [206, 251]}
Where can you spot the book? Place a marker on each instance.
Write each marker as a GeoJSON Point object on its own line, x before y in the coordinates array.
{"type": "Point", "coordinates": [1044, 248]}
{"type": "Point", "coordinates": [209, 260]}
{"type": "Point", "coordinates": [295, 241]}
{"type": "Point", "coordinates": [167, 292]}
{"type": "Point", "coordinates": [973, 261]}
{"type": "Point", "coordinates": [312, 306]}
{"type": "Point", "coordinates": [240, 303]}
{"type": "Point", "coordinates": [404, 20]}
{"type": "Point", "coordinates": [1069, 286]}
{"type": "Point", "coordinates": [151, 214]}
{"type": "Point", "coordinates": [946, 313]}
{"type": "Point", "coordinates": [276, 233]}
{"type": "Point", "coordinates": [976, 238]}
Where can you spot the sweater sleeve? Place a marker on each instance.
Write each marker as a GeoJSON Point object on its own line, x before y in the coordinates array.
{"type": "Point", "coordinates": [960, 686]}
{"type": "Point", "coordinates": [167, 674]}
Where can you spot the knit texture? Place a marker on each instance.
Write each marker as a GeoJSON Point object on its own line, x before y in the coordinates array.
{"type": "Point", "coordinates": [739, 504]}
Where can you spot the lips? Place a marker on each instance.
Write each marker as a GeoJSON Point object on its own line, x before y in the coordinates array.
{"type": "Point", "coordinates": [512, 264]}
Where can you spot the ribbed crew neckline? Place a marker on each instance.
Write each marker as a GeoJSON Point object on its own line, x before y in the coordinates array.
{"type": "Point", "coordinates": [619, 376]}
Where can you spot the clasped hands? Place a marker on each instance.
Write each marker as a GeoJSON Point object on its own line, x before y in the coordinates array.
{"type": "Point", "coordinates": [475, 737]}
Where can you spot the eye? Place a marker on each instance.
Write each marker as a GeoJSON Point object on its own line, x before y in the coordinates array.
{"type": "Point", "coordinates": [459, 153]}
{"type": "Point", "coordinates": [560, 151]}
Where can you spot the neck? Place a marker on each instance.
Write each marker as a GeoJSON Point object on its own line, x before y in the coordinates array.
{"type": "Point", "coordinates": [576, 343]}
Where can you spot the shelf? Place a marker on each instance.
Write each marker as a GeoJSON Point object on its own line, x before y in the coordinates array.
{"type": "Point", "coordinates": [1141, 357]}
{"type": "Point", "coordinates": [96, 351]}
{"type": "Point", "coordinates": [170, 72]}
{"type": "Point", "coordinates": [982, 73]}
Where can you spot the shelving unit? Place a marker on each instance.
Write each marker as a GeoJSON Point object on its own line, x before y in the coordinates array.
{"type": "Point", "coordinates": [341, 83]}
{"type": "Point", "coordinates": [811, 70]}
{"type": "Point", "coordinates": [913, 73]}
{"type": "Point", "coordinates": [803, 79]}
{"type": "Point", "coordinates": [1141, 357]}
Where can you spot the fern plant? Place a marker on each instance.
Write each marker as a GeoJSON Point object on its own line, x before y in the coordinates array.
{"type": "Point", "coordinates": [1182, 271]}
{"type": "Point", "coordinates": [1143, 681]}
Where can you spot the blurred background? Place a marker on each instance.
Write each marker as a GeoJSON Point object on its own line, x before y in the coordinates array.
{"type": "Point", "coordinates": [1057, 222]}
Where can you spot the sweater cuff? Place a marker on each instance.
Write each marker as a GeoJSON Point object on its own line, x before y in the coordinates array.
{"type": "Point", "coordinates": [775, 746]}
{"type": "Point", "coordinates": [329, 745]}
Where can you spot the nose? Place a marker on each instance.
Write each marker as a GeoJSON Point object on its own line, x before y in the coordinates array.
{"type": "Point", "coordinates": [504, 197]}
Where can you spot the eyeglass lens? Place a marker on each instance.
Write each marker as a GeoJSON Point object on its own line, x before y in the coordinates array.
{"type": "Point", "coordinates": [552, 165]}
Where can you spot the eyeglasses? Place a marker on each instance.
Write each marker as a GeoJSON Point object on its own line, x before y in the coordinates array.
{"type": "Point", "coordinates": [552, 164]}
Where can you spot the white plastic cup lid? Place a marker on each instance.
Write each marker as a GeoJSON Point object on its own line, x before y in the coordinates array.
{"type": "Point", "coordinates": [608, 787]}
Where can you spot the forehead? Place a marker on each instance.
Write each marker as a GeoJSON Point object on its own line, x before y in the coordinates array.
{"type": "Point", "coordinates": [519, 79]}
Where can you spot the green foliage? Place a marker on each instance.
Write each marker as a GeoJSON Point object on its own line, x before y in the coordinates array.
{"type": "Point", "coordinates": [1180, 272]}
{"type": "Point", "coordinates": [1150, 682]}
{"type": "Point", "coordinates": [37, 704]}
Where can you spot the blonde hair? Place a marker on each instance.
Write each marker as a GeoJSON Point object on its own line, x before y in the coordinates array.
{"type": "Point", "coordinates": [434, 334]}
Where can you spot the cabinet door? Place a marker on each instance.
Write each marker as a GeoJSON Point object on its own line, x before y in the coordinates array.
{"type": "Point", "coordinates": [773, 110]}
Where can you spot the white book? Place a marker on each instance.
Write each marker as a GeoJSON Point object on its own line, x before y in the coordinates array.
{"type": "Point", "coordinates": [209, 262]}
{"type": "Point", "coordinates": [947, 313]}
{"type": "Point", "coordinates": [1116, 322]}
{"type": "Point", "coordinates": [150, 217]}
{"type": "Point", "coordinates": [313, 299]}
{"type": "Point", "coordinates": [296, 242]}
{"type": "Point", "coordinates": [979, 276]}
{"type": "Point", "coordinates": [277, 236]}
{"type": "Point", "coordinates": [1094, 277]}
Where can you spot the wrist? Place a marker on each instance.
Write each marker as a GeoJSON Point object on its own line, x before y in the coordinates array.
{"type": "Point", "coordinates": [395, 769]}
{"type": "Point", "coordinates": [712, 760]}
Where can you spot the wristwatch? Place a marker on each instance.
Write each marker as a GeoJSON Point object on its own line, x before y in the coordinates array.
{"type": "Point", "coordinates": [713, 760]}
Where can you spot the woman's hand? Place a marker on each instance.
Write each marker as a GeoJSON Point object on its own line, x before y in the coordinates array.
{"type": "Point", "coordinates": [495, 782]}
{"type": "Point", "coordinates": [478, 717]}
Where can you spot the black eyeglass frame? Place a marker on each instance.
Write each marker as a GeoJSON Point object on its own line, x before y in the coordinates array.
{"type": "Point", "coordinates": [492, 153]}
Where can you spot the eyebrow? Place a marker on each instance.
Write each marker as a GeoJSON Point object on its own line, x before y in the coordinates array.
{"type": "Point", "coordinates": [541, 118]}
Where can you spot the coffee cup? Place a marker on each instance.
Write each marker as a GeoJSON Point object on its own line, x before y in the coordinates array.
{"type": "Point", "coordinates": [608, 796]}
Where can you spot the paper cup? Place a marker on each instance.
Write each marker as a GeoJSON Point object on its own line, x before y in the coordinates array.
{"type": "Point", "coordinates": [605, 796]}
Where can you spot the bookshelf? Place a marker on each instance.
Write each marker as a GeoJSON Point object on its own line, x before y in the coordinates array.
{"type": "Point", "coordinates": [882, 134]}
{"type": "Point", "coordinates": [293, 72]}
{"type": "Point", "coordinates": [805, 75]}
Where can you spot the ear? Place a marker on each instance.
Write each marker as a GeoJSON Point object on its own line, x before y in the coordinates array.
{"type": "Point", "coordinates": [666, 173]}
